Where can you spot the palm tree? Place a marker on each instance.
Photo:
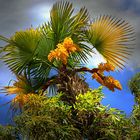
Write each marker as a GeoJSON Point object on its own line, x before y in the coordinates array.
{"type": "Point", "coordinates": [26, 52]}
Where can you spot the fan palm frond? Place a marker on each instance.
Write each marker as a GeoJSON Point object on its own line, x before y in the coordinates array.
{"type": "Point", "coordinates": [21, 49]}
{"type": "Point", "coordinates": [64, 24]}
{"type": "Point", "coordinates": [111, 37]}
{"type": "Point", "coordinates": [61, 13]}
{"type": "Point", "coordinates": [28, 50]}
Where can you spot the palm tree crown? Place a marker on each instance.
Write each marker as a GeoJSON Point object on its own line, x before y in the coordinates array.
{"type": "Point", "coordinates": [63, 45]}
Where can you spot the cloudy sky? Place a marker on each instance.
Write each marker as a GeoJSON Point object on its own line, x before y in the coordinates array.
{"type": "Point", "coordinates": [21, 14]}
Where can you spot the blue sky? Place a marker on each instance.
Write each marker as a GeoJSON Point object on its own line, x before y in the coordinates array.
{"type": "Point", "coordinates": [16, 15]}
{"type": "Point", "coordinates": [123, 99]}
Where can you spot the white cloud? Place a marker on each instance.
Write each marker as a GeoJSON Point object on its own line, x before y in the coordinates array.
{"type": "Point", "coordinates": [40, 13]}
{"type": "Point", "coordinates": [95, 60]}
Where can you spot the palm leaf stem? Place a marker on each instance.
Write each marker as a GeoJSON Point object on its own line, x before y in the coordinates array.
{"type": "Point", "coordinates": [85, 69]}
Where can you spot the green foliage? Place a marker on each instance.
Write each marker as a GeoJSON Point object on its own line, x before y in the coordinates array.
{"type": "Point", "coordinates": [7, 133]}
{"type": "Point", "coordinates": [134, 85]}
{"type": "Point", "coordinates": [136, 113]}
{"type": "Point", "coordinates": [135, 118]}
{"type": "Point", "coordinates": [21, 49]}
{"type": "Point", "coordinates": [96, 121]}
{"type": "Point", "coordinates": [49, 118]}
{"type": "Point", "coordinates": [46, 118]}
{"type": "Point", "coordinates": [88, 101]}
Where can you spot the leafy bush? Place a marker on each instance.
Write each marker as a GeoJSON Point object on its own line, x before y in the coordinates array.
{"type": "Point", "coordinates": [45, 118]}
{"type": "Point", "coordinates": [7, 133]}
{"type": "Point", "coordinates": [134, 85]}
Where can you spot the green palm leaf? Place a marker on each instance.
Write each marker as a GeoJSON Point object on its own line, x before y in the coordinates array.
{"type": "Point", "coordinates": [64, 24]}
{"type": "Point", "coordinates": [112, 37]}
{"type": "Point", "coordinates": [21, 49]}
{"type": "Point", "coordinates": [27, 51]}
{"type": "Point", "coordinates": [40, 66]}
